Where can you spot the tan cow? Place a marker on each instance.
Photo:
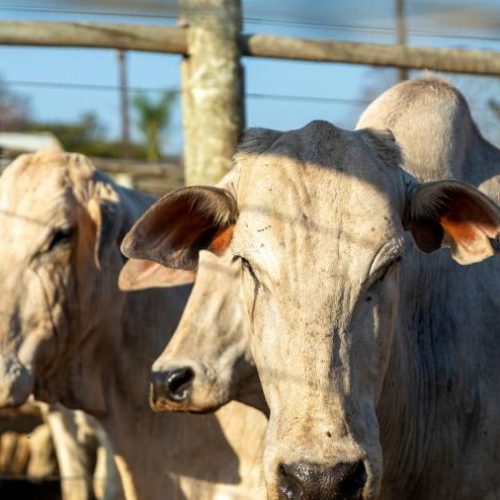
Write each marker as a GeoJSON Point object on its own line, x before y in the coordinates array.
{"type": "Point", "coordinates": [68, 334]}
{"type": "Point", "coordinates": [26, 446]}
{"type": "Point", "coordinates": [84, 455]}
{"type": "Point", "coordinates": [208, 361]}
{"type": "Point", "coordinates": [366, 335]}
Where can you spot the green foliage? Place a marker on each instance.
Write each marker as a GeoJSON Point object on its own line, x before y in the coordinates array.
{"type": "Point", "coordinates": [153, 116]}
{"type": "Point", "coordinates": [86, 136]}
{"type": "Point", "coordinates": [75, 135]}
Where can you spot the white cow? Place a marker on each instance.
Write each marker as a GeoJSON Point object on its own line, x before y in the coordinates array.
{"type": "Point", "coordinates": [69, 335]}
{"type": "Point", "coordinates": [377, 352]}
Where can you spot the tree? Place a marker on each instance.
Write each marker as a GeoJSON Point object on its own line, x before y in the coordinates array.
{"type": "Point", "coordinates": [74, 136]}
{"type": "Point", "coordinates": [14, 110]}
{"type": "Point", "coordinates": [86, 136]}
{"type": "Point", "coordinates": [153, 117]}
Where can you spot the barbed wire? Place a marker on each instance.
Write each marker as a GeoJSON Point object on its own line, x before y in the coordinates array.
{"type": "Point", "coordinates": [264, 21]}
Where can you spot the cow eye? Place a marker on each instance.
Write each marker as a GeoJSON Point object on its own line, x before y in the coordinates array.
{"type": "Point", "coordinates": [60, 236]}
{"type": "Point", "coordinates": [245, 263]}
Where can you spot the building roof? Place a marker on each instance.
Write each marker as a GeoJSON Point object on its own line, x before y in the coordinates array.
{"type": "Point", "coordinates": [21, 142]}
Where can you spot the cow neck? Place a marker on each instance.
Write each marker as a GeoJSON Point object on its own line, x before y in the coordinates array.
{"type": "Point", "coordinates": [430, 369]}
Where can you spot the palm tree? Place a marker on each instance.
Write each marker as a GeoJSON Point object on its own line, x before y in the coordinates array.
{"type": "Point", "coordinates": [153, 117]}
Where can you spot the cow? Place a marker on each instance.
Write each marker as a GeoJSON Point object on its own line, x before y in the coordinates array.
{"type": "Point", "coordinates": [84, 454]}
{"type": "Point", "coordinates": [69, 335]}
{"type": "Point", "coordinates": [39, 441]}
{"type": "Point", "coordinates": [210, 349]}
{"type": "Point", "coordinates": [375, 346]}
{"type": "Point", "coordinates": [26, 446]}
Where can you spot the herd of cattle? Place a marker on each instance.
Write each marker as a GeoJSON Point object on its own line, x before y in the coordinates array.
{"type": "Point", "coordinates": [330, 347]}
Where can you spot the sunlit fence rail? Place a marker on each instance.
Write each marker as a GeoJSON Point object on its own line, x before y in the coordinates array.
{"type": "Point", "coordinates": [174, 40]}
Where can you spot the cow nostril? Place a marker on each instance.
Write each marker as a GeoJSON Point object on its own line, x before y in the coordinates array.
{"type": "Point", "coordinates": [288, 485]}
{"type": "Point", "coordinates": [173, 385]}
{"type": "Point", "coordinates": [304, 480]}
{"type": "Point", "coordinates": [353, 480]}
{"type": "Point", "coordinates": [179, 382]}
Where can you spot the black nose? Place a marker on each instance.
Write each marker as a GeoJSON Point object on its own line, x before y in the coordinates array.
{"type": "Point", "coordinates": [303, 481]}
{"type": "Point", "coordinates": [172, 384]}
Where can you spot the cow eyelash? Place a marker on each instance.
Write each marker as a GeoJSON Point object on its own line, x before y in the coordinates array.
{"type": "Point", "coordinates": [59, 236]}
{"type": "Point", "coordinates": [257, 285]}
{"type": "Point", "coordinates": [244, 262]}
{"type": "Point", "coordinates": [246, 265]}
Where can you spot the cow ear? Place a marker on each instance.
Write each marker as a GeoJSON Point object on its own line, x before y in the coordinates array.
{"type": "Point", "coordinates": [454, 214]}
{"type": "Point", "coordinates": [180, 224]}
{"type": "Point", "coordinates": [105, 215]}
{"type": "Point", "coordinates": [140, 274]}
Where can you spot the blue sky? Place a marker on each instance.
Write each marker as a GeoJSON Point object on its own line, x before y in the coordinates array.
{"type": "Point", "coordinates": [329, 91]}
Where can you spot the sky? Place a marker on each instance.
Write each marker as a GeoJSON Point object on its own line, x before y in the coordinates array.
{"type": "Point", "coordinates": [279, 94]}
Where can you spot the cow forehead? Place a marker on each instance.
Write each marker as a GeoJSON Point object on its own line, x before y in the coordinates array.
{"type": "Point", "coordinates": [43, 183]}
{"type": "Point", "coordinates": [38, 193]}
{"type": "Point", "coordinates": [42, 174]}
{"type": "Point", "coordinates": [324, 199]}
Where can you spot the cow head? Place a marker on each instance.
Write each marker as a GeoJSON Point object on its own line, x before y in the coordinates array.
{"type": "Point", "coordinates": [317, 223]}
{"type": "Point", "coordinates": [60, 223]}
{"type": "Point", "coordinates": [208, 361]}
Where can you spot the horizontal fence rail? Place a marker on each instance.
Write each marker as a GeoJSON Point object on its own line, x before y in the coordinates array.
{"type": "Point", "coordinates": [95, 35]}
{"type": "Point", "coordinates": [398, 56]}
{"type": "Point", "coordinates": [173, 40]}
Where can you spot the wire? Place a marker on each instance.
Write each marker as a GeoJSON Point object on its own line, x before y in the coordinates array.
{"type": "Point", "coordinates": [250, 95]}
{"type": "Point", "coordinates": [257, 20]}
{"type": "Point", "coordinates": [115, 88]}
{"type": "Point", "coordinates": [80, 86]}
{"type": "Point", "coordinates": [331, 100]}
{"type": "Point", "coordinates": [89, 12]}
{"type": "Point", "coordinates": [368, 29]}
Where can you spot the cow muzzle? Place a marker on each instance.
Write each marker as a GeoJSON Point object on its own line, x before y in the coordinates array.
{"type": "Point", "coordinates": [305, 481]}
{"type": "Point", "coordinates": [16, 382]}
{"type": "Point", "coordinates": [170, 389]}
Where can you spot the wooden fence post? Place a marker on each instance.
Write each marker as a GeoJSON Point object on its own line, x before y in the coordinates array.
{"type": "Point", "coordinates": [212, 88]}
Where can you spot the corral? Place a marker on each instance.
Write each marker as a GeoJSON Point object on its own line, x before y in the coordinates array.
{"type": "Point", "coordinates": [211, 42]}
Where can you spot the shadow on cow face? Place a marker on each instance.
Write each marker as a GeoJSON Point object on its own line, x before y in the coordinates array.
{"type": "Point", "coordinates": [54, 225]}
{"type": "Point", "coordinates": [318, 232]}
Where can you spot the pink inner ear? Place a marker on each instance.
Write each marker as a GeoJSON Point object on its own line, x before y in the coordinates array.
{"type": "Point", "coordinates": [466, 221]}
{"type": "Point", "coordinates": [142, 274]}
{"type": "Point", "coordinates": [221, 240]}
